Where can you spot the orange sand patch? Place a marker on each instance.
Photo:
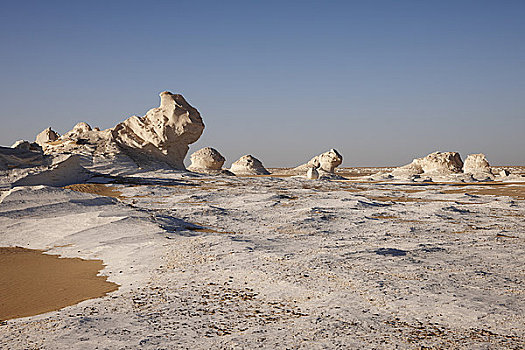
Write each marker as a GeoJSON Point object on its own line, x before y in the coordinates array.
{"type": "Point", "coordinates": [33, 283]}
{"type": "Point", "coordinates": [512, 190]}
{"type": "Point", "coordinates": [100, 189]}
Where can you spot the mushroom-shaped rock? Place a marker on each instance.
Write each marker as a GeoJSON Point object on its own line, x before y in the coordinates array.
{"type": "Point", "coordinates": [206, 160]}
{"type": "Point", "coordinates": [437, 163]}
{"type": "Point", "coordinates": [476, 163]}
{"type": "Point", "coordinates": [47, 135]}
{"type": "Point", "coordinates": [325, 162]}
{"type": "Point", "coordinates": [248, 165]}
{"type": "Point", "coordinates": [164, 133]}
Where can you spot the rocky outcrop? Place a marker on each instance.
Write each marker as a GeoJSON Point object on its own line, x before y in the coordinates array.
{"type": "Point", "coordinates": [476, 163]}
{"type": "Point", "coordinates": [161, 136]}
{"type": "Point", "coordinates": [478, 166]}
{"type": "Point", "coordinates": [27, 146]}
{"type": "Point", "coordinates": [20, 157]}
{"type": "Point", "coordinates": [437, 163]}
{"type": "Point", "coordinates": [26, 165]}
{"type": "Point", "coordinates": [248, 165]}
{"type": "Point", "coordinates": [63, 171]}
{"type": "Point", "coordinates": [46, 136]}
{"type": "Point", "coordinates": [312, 174]}
{"type": "Point", "coordinates": [444, 166]}
{"type": "Point", "coordinates": [324, 163]}
{"type": "Point", "coordinates": [208, 160]}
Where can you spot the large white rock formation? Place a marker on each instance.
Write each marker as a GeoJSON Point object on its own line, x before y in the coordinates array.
{"type": "Point", "coordinates": [207, 160]}
{"type": "Point", "coordinates": [446, 166]}
{"type": "Point", "coordinates": [437, 164]}
{"type": "Point", "coordinates": [476, 163]}
{"type": "Point", "coordinates": [478, 167]}
{"type": "Point", "coordinates": [162, 135]}
{"type": "Point", "coordinates": [248, 165]}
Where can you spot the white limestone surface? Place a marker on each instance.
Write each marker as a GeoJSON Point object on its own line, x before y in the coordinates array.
{"type": "Point", "coordinates": [208, 262]}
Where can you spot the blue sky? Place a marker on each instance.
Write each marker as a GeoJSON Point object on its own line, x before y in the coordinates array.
{"type": "Point", "coordinates": [381, 81]}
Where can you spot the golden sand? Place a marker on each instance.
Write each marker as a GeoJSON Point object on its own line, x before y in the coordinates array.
{"type": "Point", "coordinates": [99, 189]}
{"type": "Point", "coordinates": [516, 191]}
{"type": "Point", "coordinates": [32, 282]}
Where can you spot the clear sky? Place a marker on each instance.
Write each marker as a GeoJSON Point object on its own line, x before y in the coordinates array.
{"type": "Point", "coordinates": [380, 81]}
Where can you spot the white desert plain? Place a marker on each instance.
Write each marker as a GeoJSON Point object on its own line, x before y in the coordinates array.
{"type": "Point", "coordinates": [107, 241]}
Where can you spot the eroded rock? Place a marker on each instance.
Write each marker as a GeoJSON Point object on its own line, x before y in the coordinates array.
{"type": "Point", "coordinates": [46, 136]}
{"type": "Point", "coordinates": [476, 163]}
{"type": "Point", "coordinates": [248, 165]}
{"type": "Point", "coordinates": [20, 157]}
{"type": "Point", "coordinates": [437, 163]}
{"type": "Point", "coordinates": [312, 174]}
{"type": "Point", "coordinates": [325, 162]}
{"type": "Point", "coordinates": [162, 135]}
{"type": "Point", "coordinates": [27, 146]}
{"type": "Point", "coordinates": [207, 160]}
{"type": "Point", "coordinates": [64, 170]}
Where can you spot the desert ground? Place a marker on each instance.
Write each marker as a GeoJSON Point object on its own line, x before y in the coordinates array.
{"type": "Point", "coordinates": [275, 262]}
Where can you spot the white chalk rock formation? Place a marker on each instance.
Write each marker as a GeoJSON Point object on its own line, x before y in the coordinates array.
{"type": "Point", "coordinates": [312, 174]}
{"type": "Point", "coordinates": [504, 173]}
{"type": "Point", "coordinates": [207, 160]}
{"type": "Point", "coordinates": [248, 165]}
{"type": "Point", "coordinates": [162, 135]}
{"type": "Point", "coordinates": [20, 157]}
{"type": "Point", "coordinates": [476, 163]}
{"type": "Point", "coordinates": [324, 163]}
{"type": "Point", "coordinates": [46, 136]}
{"type": "Point", "coordinates": [437, 163]}
{"type": "Point", "coordinates": [478, 166]}
{"type": "Point", "coordinates": [64, 170]}
{"type": "Point", "coordinates": [27, 146]}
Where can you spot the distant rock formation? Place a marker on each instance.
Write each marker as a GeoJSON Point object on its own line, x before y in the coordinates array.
{"type": "Point", "coordinates": [325, 162]}
{"type": "Point", "coordinates": [476, 163]}
{"type": "Point", "coordinates": [27, 146]}
{"type": "Point", "coordinates": [46, 136]}
{"type": "Point", "coordinates": [446, 166]}
{"type": "Point", "coordinates": [437, 163]}
{"type": "Point", "coordinates": [478, 166]}
{"type": "Point", "coordinates": [248, 165]}
{"type": "Point", "coordinates": [162, 135]}
{"type": "Point", "coordinates": [208, 160]}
